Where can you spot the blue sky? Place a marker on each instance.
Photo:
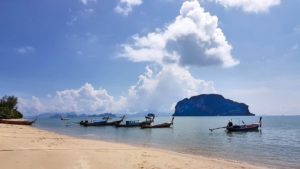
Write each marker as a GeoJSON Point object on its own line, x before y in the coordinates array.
{"type": "Point", "coordinates": [131, 55]}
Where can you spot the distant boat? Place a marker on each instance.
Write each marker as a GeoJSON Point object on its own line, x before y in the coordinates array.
{"type": "Point", "coordinates": [104, 122]}
{"type": "Point", "coordinates": [61, 118]}
{"type": "Point", "coordinates": [162, 125]}
{"type": "Point", "coordinates": [241, 128]}
{"type": "Point", "coordinates": [17, 121]}
{"type": "Point", "coordinates": [135, 123]}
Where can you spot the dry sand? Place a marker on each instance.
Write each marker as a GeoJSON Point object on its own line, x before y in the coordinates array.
{"type": "Point", "coordinates": [30, 148]}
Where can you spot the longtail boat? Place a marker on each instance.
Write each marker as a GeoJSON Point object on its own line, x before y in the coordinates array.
{"type": "Point", "coordinates": [17, 121]}
{"type": "Point", "coordinates": [104, 122]}
{"type": "Point", "coordinates": [162, 125]}
{"type": "Point", "coordinates": [244, 127]}
{"type": "Point", "coordinates": [241, 128]}
{"type": "Point", "coordinates": [135, 123]}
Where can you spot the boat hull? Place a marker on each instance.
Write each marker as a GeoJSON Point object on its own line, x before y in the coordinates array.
{"type": "Point", "coordinates": [243, 128]}
{"type": "Point", "coordinates": [163, 125]}
{"type": "Point", "coordinates": [99, 124]}
{"type": "Point", "coordinates": [17, 122]}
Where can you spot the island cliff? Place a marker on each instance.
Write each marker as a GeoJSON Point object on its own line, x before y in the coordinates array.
{"type": "Point", "coordinates": [210, 105]}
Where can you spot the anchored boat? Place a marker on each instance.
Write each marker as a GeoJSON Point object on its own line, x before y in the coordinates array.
{"type": "Point", "coordinates": [135, 123]}
{"type": "Point", "coordinates": [244, 127]}
{"type": "Point", "coordinates": [162, 125]}
{"type": "Point", "coordinates": [17, 121]}
{"type": "Point", "coordinates": [241, 128]}
{"type": "Point", "coordinates": [104, 122]}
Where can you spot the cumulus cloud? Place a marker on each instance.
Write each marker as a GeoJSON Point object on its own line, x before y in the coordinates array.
{"type": "Point", "coordinates": [159, 91]}
{"type": "Point", "coordinates": [154, 91]}
{"type": "Point", "coordinates": [26, 49]}
{"type": "Point", "coordinates": [86, 99]}
{"type": "Point", "coordinates": [193, 39]}
{"type": "Point", "coordinates": [86, 2]}
{"type": "Point", "coordinates": [254, 6]}
{"type": "Point", "coordinates": [125, 6]}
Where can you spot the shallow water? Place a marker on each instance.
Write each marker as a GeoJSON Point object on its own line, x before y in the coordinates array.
{"type": "Point", "coordinates": [276, 145]}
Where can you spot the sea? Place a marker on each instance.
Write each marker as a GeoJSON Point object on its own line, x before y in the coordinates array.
{"type": "Point", "coordinates": [275, 145]}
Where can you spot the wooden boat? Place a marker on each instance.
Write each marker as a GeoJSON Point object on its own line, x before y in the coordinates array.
{"type": "Point", "coordinates": [243, 128]}
{"type": "Point", "coordinates": [17, 121]}
{"type": "Point", "coordinates": [135, 123]}
{"type": "Point", "coordinates": [162, 125]}
{"type": "Point", "coordinates": [101, 123]}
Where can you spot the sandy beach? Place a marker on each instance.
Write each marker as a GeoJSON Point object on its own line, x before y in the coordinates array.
{"type": "Point", "coordinates": [31, 148]}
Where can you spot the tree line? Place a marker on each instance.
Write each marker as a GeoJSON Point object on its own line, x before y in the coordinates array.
{"type": "Point", "coordinates": [8, 108]}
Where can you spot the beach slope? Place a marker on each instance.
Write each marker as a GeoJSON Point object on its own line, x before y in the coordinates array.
{"type": "Point", "coordinates": [30, 148]}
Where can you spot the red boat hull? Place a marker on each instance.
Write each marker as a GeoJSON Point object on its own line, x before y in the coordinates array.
{"type": "Point", "coordinates": [17, 122]}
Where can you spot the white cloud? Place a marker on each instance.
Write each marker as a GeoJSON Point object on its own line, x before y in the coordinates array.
{"type": "Point", "coordinates": [26, 49]}
{"type": "Point", "coordinates": [125, 6]}
{"type": "Point", "coordinates": [160, 91]}
{"type": "Point", "coordinates": [193, 39]}
{"type": "Point", "coordinates": [252, 6]}
{"type": "Point", "coordinates": [255, 6]}
{"type": "Point", "coordinates": [31, 106]}
{"type": "Point", "coordinates": [86, 2]}
{"type": "Point", "coordinates": [154, 91]}
{"type": "Point", "coordinates": [86, 99]}
{"type": "Point", "coordinates": [72, 20]}
{"type": "Point", "coordinates": [82, 13]}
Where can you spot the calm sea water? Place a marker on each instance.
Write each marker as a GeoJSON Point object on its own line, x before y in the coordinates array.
{"type": "Point", "coordinates": [276, 145]}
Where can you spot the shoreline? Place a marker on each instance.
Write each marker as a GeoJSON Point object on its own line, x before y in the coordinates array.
{"type": "Point", "coordinates": [28, 147]}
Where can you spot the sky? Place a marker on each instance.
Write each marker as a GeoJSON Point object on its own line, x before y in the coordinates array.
{"type": "Point", "coordinates": [131, 56]}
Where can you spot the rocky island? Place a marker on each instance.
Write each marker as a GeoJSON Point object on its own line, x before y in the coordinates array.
{"type": "Point", "coordinates": [210, 105]}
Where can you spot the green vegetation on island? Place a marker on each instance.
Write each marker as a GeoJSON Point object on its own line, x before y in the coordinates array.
{"type": "Point", "coordinates": [8, 108]}
{"type": "Point", "coordinates": [210, 105]}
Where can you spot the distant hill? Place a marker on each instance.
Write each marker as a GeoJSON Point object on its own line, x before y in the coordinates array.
{"type": "Point", "coordinates": [210, 105]}
{"type": "Point", "coordinates": [71, 115]}
{"type": "Point", "coordinates": [143, 114]}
